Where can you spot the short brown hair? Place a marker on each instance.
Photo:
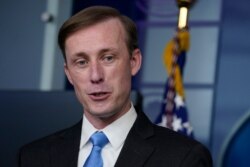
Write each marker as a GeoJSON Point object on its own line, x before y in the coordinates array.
{"type": "Point", "coordinates": [93, 15]}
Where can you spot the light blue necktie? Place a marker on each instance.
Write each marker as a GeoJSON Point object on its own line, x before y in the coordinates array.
{"type": "Point", "coordinates": [99, 140]}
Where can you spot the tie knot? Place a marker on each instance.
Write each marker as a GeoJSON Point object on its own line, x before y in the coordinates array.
{"type": "Point", "coordinates": [99, 139]}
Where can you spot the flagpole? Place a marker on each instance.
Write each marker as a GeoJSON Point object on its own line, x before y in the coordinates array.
{"type": "Point", "coordinates": [184, 6]}
{"type": "Point", "coordinates": [173, 113]}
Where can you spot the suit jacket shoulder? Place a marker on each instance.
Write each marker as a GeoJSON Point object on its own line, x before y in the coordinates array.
{"type": "Point", "coordinates": [59, 149]}
{"type": "Point", "coordinates": [150, 145]}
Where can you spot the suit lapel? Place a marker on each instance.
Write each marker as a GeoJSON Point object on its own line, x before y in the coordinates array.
{"type": "Point", "coordinates": [65, 152]}
{"type": "Point", "coordinates": [136, 149]}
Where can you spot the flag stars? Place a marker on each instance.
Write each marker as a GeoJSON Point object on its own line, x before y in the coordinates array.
{"type": "Point", "coordinates": [179, 102]}
{"type": "Point", "coordinates": [177, 124]}
{"type": "Point", "coordinates": [163, 122]}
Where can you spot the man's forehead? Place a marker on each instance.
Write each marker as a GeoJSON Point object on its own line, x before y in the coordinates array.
{"type": "Point", "coordinates": [109, 34]}
{"type": "Point", "coordinates": [110, 28]}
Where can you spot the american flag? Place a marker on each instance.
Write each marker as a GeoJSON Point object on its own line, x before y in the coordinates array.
{"type": "Point", "coordinates": [173, 113]}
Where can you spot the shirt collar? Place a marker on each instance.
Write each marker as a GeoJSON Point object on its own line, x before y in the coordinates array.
{"type": "Point", "coordinates": [119, 129]}
{"type": "Point", "coordinates": [116, 132]}
{"type": "Point", "coordinates": [87, 130]}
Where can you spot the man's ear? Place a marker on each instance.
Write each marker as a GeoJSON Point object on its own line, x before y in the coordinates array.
{"type": "Point", "coordinates": [135, 61]}
{"type": "Point", "coordinates": [66, 70]}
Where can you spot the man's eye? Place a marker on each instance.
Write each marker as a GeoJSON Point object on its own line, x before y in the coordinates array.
{"type": "Point", "coordinates": [108, 59]}
{"type": "Point", "coordinates": [81, 62]}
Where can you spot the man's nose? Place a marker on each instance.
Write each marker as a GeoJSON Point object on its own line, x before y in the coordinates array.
{"type": "Point", "coordinates": [96, 73]}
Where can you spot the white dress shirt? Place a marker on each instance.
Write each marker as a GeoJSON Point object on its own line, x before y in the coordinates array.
{"type": "Point", "coordinates": [116, 132]}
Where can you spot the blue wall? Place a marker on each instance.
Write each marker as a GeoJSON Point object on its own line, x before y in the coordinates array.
{"type": "Point", "coordinates": [21, 43]}
{"type": "Point", "coordinates": [233, 87]}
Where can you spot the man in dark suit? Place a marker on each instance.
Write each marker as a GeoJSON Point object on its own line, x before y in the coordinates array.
{"type": "Point", "coordinates": [101, 55]}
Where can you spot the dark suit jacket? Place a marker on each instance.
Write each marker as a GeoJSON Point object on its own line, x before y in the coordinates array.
{"type": "Point", "coordinates": [146, 145]}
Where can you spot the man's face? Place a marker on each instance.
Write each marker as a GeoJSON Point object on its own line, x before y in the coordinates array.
{"type": "Point", "coordinates": [99, 67]}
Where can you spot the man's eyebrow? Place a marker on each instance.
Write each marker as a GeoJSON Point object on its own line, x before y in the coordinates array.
{"type": "Point", "coordinates": [106, 50]}
{"type": "Point", "coordinates": [102, 51]}
{"type": "Point", "coordinates": [80, 54]}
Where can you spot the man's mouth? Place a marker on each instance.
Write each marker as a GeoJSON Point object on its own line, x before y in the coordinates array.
{"type": "Point", "coordinates": [97, 96]}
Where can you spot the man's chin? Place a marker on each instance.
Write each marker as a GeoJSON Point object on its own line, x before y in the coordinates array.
{"type": "Point", "coordinates": [103, 114]}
